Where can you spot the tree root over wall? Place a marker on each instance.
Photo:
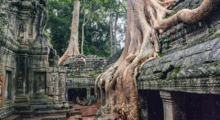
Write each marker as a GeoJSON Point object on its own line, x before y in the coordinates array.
{"type": "Point", "coordinates": [145, 20]}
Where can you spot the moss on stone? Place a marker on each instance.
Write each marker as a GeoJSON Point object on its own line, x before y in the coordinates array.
{"type": "Point", "coordinates": [177, 69]}
{"type": "Point", "coordinates": [91, 73]}
{"type": "Point", "coordinates": [160, 76]}
{"type": "Point", "coordinates": [214, 64]}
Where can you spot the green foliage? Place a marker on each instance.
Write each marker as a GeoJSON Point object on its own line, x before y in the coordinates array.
{"type": "Point", "coordinates": [171, 15]}
{"type": "Point", "coordinates": [92, 73]}
{"type": "Point", "coordinates": [160, 54]}
{"type": "Point", "coordinates": [215, 64]}
{"type": "Point", "coordinates": [165, 43]}
{"type": "Point", "coordinates": [177, 69]}
{"type": "Point", "coordinates": [97, 36]}
{"type": "Point", "coordinates": [167, 17]}
{"type": "Point", "coordinates": [48, 35]}
{"type": "Point", "coordinates": [78, 84]}
{"type": "Point", "coordinates": [163, 40]}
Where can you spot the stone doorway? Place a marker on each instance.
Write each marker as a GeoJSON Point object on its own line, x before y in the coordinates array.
{"type": "Point", "coordinates": [8, 85]}
{"type": "Point", "coordinates": [40, 83]}
{"type": "Point", "coordinates": [150, 105]}
{"type": "Point", "coordinates": [73, 93]}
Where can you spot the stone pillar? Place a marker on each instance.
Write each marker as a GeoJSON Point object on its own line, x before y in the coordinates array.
{"type": "Point", "coordinates": [173, 105]}
{"type": "Point", "coordinates": [66, 94]}
{"type": "Point", "coordinates": [62, 86]}
{"type": "Point", "coordinates": [88, 92]}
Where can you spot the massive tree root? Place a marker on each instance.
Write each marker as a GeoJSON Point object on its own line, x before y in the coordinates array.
{"type": "Point", "coordinates": [145, 19]}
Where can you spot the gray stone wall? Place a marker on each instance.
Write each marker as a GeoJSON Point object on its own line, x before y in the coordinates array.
{"type": "Point", "coordinates": [92, 66]}
{"type": "Point", "coordinates": [28, 60]}
{"type": "Point", "coordinates": [82, 74]}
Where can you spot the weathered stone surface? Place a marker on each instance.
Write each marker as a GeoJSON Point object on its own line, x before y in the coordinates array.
{"type": "Point", "coordinates": [27, 60]}
{"type": "Point", "coordinates": [82, 75]}
{"type": "Point", "coordinates": [195, 69]}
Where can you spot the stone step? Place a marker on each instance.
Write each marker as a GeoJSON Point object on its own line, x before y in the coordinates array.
{"type": "Point", "coordinates": [20, 99]}
{"type": "Point", "coordinates": [78, 117]}
{"type": "Point", "coordinates": [73, 112]}
{"type": "Point", "coordinates": [25, 114]}
{"type": "Point", "coordinates": [112, 116]}
{"type": "Point", "coordinates": [39, 97]}
{"type": "Point", "coordinates": [48, 106]}
{"type": "Point", "coordinates": [20, 96]}
{"type": "Point", "coordinates": [58, 117]}
{"type": "Point", "coordinates": [21, 106]}
{"type": "Point", "coordinates": [51, 113]}
{"type": "Point", "coordinates": [12, 117]}
{"type": "Point", "coordinates": [89, 112]}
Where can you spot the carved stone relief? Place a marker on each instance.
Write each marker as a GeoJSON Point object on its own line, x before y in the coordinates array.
{"type": "Point", "coordinates": [40, 83]}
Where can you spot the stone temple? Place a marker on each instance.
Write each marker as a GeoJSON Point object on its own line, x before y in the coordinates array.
{"type": "Point", "coordinates": [184, 84]}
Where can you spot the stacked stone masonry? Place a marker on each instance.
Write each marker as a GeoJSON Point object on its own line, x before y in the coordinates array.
{"type": "Point", "coordinates": [30, 78]}
{"type": "Point", "coordinates": [82, 74]}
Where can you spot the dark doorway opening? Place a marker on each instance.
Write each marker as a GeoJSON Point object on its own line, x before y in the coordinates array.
{"type": "Point", "coordinates": [202, 106]}
{"type": "Point", "coordinates": [151, 105]}
{"type": "Point", "coordinates": [92, 91]}
{"type": "Point", "coordinates": [74, 92]}
{"type": "Point", "coordinates": [8, 85]}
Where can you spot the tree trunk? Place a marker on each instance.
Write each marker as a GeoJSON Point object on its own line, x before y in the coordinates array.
{"type": "Point", "coordinates": [82, 39]}
{"type": "Point", "coordinates": [83, 25]}
{"type": "Point", "coordinates": [82, 44]}
{"type": "Point", "coordinates": [115, 43]}
{"type": "Point", "coordinates": [145, 19]}
{"type": "Point", "coordinates": [73, 47]}
{"type": "Point", "coordinates": [111, 28]}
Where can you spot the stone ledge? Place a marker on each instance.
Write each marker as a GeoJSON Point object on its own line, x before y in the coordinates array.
{"type": "Point", "coordinates": [184, 70]}
{"type": "Point", "coordinates": [206, 85]}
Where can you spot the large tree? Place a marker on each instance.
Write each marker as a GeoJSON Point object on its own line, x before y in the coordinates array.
{"type": "Point", "coordinates": [145, 20]}
{"type": "Point", "coordinates": [73, 47]}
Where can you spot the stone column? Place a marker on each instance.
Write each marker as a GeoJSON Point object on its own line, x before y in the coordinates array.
{"type": "Point", "coordinates": [173, 105]}
{"type": "Point", "coordinates": [88, 92]}
{"type": "Point", "coordinates": [66, 94]}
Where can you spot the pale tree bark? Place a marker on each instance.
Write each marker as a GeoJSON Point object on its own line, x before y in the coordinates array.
{"type": "Point", "coordinates": [73, 47]}
{"type": "Point", "coordinates": [115, 30]}
{"type": "Point", "coordinates": [83, 25]}
{"type": "Point", "coordinates": [111, 28]}
{"type": "Point", "coordinates": [145, 19]}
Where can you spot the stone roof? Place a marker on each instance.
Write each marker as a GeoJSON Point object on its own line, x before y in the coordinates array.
{"type": "Point", "coordinates": [197, 61]}
{"type": "Point", "coordinates": [196, 69]}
